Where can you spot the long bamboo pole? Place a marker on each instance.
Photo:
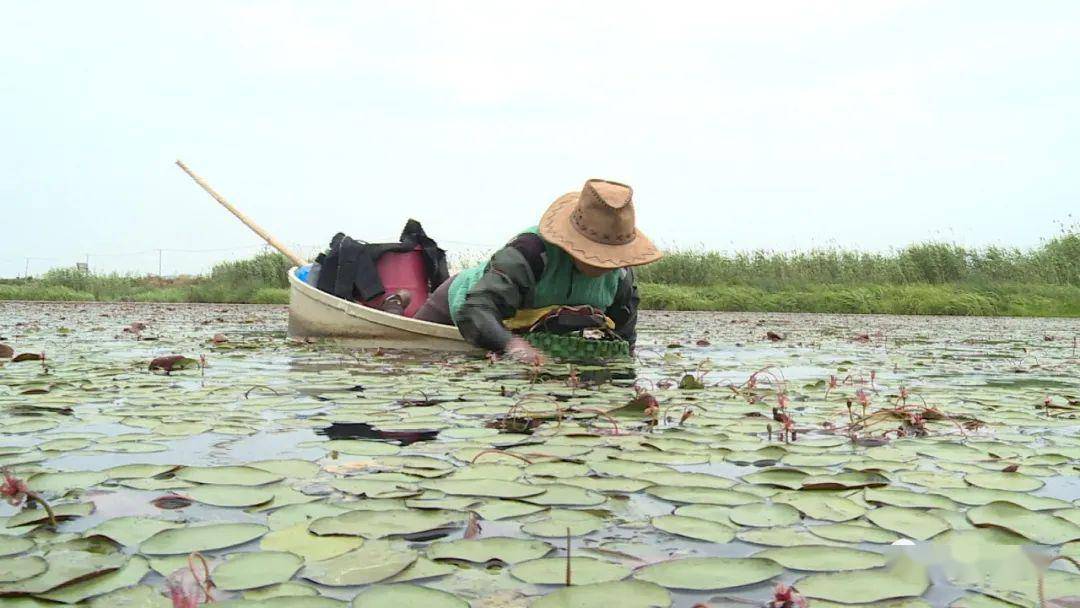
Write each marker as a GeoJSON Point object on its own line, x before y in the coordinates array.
{"type": "Point", "coordinates": [266, 236]}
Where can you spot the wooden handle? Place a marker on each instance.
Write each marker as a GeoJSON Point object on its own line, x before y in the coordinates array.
{"type": "Point", "coordinates": [266, 236]}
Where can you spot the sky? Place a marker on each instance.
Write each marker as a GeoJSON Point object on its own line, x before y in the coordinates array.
{"type": "Point", "coordinates": [773, 125]}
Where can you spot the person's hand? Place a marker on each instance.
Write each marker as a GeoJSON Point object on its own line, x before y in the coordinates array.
{"type": "Point", "coordinates": [521, 351]}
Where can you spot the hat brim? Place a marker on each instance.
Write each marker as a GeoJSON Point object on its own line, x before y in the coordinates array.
{"type": "Point", "coordinates": [556, 229]}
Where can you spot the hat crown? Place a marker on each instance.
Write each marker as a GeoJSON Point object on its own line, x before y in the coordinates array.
{"type": "Point", "coordinates": [605, 213]}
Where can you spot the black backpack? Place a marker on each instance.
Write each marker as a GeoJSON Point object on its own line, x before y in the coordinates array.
{"type": "Point", "coordinates": [348, 266]}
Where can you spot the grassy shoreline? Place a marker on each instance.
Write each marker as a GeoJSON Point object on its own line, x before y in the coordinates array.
{"type": "Point", "coordinates": [922, 279]}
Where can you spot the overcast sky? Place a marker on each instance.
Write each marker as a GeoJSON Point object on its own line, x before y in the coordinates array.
{"type": "Point", "coordinates": [780, 125]}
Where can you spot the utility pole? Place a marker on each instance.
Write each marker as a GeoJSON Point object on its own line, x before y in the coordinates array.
{"type": "Point", "coordinates": [26, 274]}
{"type": "Point", "coordinates": [159, 255]}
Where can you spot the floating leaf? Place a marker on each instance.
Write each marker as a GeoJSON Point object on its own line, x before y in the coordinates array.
{"type": "Point", "coordinates": [1012, 482]}
{"type": "Point", "coordinates": [560, 522]}
{"type": "Point", "coordinates": [489, 488]}
{"type": "Point", "coordinates": [204, 537]}
{"type": "Point", "coordinates": [764, 516]}
{"type": "Point", "coordinates": [692, 527]}
{"type": "Point", "coordinates": [399, 596]}
{"type": "Point", "coordinates": [703, 496]}
{"type": "Point", "coordinates": [584, 571]}
{"type": "Point", "coordinates": [64, 568]}
{"type": "Point", "coordinates": [380, 524]}
{"type": "Point", "coordinates": [1039, 527]}
{"type": "Point", "coordinates": [823, 558]}
{"type": "Point", "coordinates": [130, 531]}
{"type": "Point", "coordinates": [255, 569]}
{"type": "Point", "coordinates": [297, 539]}
{"type": "Point", "coordinates": [20, 568]}
{"type": "Point", "coordinates": [904, 579]}
{"type": "Point", "coordinates": [130, 574]}
{"type": "Point", "coordinates": [482, 550]}
{"type": "Point", "coordinates": [374, 562]}
{"type": "Point", "coordinates": [228, 476]}
{"type": "Point", "coordinates": [709, 573]}
{"type": "Point", "coordinates": [854, 533]}
{"type": "Point", "coordinates": [630, 594]}
{"type": "Point", "coordinates": [821, 505]}
{"type": "Point", "coordinates": [909, 522]}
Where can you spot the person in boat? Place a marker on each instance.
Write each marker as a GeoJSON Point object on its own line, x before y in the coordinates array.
{"type": "Point", "coordinates": [582, 253]}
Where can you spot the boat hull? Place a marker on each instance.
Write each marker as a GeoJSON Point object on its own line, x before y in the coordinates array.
{"type": "Point", "coordinates": [317, 314]}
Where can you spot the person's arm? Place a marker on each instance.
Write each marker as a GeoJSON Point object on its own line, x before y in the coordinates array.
{"type": "Point", "coordinates": [623, 311]}
{"type": "Point", "coordinates": [507, 281]}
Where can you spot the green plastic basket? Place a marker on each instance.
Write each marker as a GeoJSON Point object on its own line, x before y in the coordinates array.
{"type": "Point", "coordinates": [576, 348]}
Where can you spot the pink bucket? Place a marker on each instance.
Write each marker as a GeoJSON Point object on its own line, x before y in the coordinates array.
{"type": "Point", "coordinates": [402, 271]}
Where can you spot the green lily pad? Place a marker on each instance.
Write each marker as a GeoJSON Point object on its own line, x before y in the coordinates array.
{"type": "Point", "coordinates": [583, 571]}
{"type": "Point", "coordinates": [823, 558]}
{"type": "Point", "coordinates": [982, 496]}
{"type": "Point", "coordinates": [560, 522]}
{"type": "Point", "coordinates": [130, 574]}
{"type": "Point", "coordinates": [1039, 527]}
{"type": "Point", "coordinates": [130, 531]}
{"type": "Point", "coordinates": [844, 481]}
{"type": "Point", "coordinates": [297, 539]}
{"type": "Point", "coordinates": [482, 550]}
{"type": "Point", "coordinates": [702, 496]}
{"type": "Point", "coordinates": [138, 471]}
{"type": "Point", "coordinates": [139, 596]}
{"type": "Point", "coordinates": [374, 562]}
{"type": "Point", "coordinates": [904, 579]}
{"type": "Point", "coordinates": [494, 510]}
{"type": "Point", "coordinates": [60, 483]}
{"type": "Point", "coordinates": [680, 478]}
{"type": "Point", "coordinates": [204, 537]}
{"type": "Point", "coordinates": [422, 568]}
{"type": "Point", "coordinates": [487, 488]}
{"type": "Point", "coordinates": [854, 533]}
{"type": "Point", "coordinates": [714, 513]}
{"type": "Point", "coordinates": [821, 505]}
{"type": "Point", "coordinates": [403, 595]}
{"type": "Point", "coordinates": [65, 567]}
{"type": "Point", "coordinates": [1011, 482]}
{"type": "Point", "coordinates": [229, 496]}
{"type": "Point", "coordinates": [562, 495]}
{"type": "Point", "coordinates": [709, 573]}
{"type": "Point", "coordinates": [228, 476]}
{"type": "Point", "coordinates": [630, 594]}
{"type": "Point", "coordinates": [380, 524]}
{"type": "Point", "coordinates": [61, 512]}
{"type": "Point", "coordinates": [292, 468]}
{"type": "Point", "coordinates": [20, 568]}
{"type": "Point", "coordinates": [765, 516]}
{"type": "Point", "coordinates": [779, 477]}
{"type": "Point", "coordinates": [779, 537]}
{"type": "Point", "coordinates": [906, 498]}
{"type": "Point", "coordinates": [909, 522]}
{"type": "Point", "coordinates": [692, 527]}
{"type": "Point", "coordinates": [360, 448]}
{"type": "Point", "coordinates": [287, 589]}
{"type": "Point", "coordinates": [15, 545]}
{"type": "Point", "coordinates": [250, 570]}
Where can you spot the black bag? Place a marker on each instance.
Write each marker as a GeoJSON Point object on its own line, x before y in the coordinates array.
{"type": "Point", "coordinates": [348, 266]}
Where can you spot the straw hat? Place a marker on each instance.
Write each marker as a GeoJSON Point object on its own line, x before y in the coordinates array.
{"type": "Point", "coordinates": [596, 226]}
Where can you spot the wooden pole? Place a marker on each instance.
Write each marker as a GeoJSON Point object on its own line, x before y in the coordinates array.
{"type": "Point", "coordinates": [266, 236]}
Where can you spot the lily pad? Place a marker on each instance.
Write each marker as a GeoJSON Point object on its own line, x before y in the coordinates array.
{"type": "Point", "coordinates": [1039, 527]}
{"type": "Point", "coordinates": [65, 568]}
{"type": "Point", "coordinates": [909, 522]}
{"type": "Point", "coordinates": [404, 595]}
{"type": "Point", "coordinates": [380, 524]}
{"type": "Point", "coordinates": [130, 531]}
{"type": "Point", "coordinates": [630, 594]}
{"type": "Point", "coordinates": [854, 533]}
{"type": "Point", "coordinates": [821, 505]}
{"type": "Point", "coordinates": [765, 516]}
{"type": "Point", "coordinates": [702, 496]}
{"type": "Point", "coordinates": [20, 568]}
{"type": "Point", "coordinates": [904, 579]}
{"type": "Point", "coordinates": [204, 537]}
{"type": "Point", "coordinates": [250, 570]}
{"type": "Point", "coordinates": [482, 550]}
{"type": "Point", "coordinates": [560, 522]}
{"type": "Point", "coordinates": [297, 539]}
{"type": "Point", "coordinates": [709, 573]}
{"type": "Point", "coordinates": [583, 571]}
{"type": "Point", "coordinates": [130, 574]}
{"type": "Point", "coordinates": [1011, 482]}
{"type": "Point", "coordinates": [488, 488]}
{"type": "Point", "coordinates": [374, 562]}
{"type": "Point", "coordinates": [228, 476]}
{"type": "Point", "coordinates": [692, 527]}
{"type": "Point", "coordinates": [230, 496]}
{"type": "Point", "coordinates": [823, 558]}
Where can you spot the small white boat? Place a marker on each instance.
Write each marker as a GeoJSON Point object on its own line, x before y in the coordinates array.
{"type": "Point", "coordinates": [317, 314]}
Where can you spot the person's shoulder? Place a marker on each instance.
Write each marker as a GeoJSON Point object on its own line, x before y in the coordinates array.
{"type": "Point", "coordinates": [532, 248]}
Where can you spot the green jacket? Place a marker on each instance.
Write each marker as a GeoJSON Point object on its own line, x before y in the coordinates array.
{"type": "Point", "coordinates": [531, 273]}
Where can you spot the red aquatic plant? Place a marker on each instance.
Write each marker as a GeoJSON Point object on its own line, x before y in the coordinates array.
{"type": "Point", "coordinates": [16, 492]}
{"type": "Point", "coordinates": [185, 586]}
{"type": "Point", "coordinates": [787, 597]}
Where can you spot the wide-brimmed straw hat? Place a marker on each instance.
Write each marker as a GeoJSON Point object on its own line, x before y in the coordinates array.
{"type": "Point", "coordinates": [596, 226]}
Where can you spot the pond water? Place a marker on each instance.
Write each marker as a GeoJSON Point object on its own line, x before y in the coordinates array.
{"type": "Point", "coordinates": [931, 462]}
